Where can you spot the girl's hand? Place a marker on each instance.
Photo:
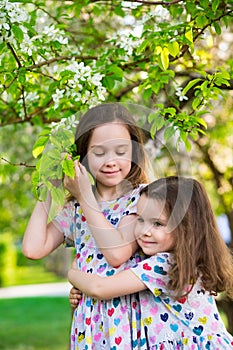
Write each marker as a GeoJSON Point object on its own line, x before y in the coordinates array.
{"type": "Point", "coordinates": [74, 297]}
{"type": "Point", "coordinates": [80, 184]}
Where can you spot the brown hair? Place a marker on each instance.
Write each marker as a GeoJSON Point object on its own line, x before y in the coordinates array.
{"type": "Point", "coordinates": [200, 250]}
{"type": "Point", "coordinates": [108, 113]}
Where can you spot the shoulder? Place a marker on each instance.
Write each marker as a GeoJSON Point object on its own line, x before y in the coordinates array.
{"type": "Point", "coordinates": [158, 263]}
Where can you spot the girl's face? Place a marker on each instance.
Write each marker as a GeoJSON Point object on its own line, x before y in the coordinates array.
{"type": "Point", "coordinates": [110, 154]}
{"type": "Point", "coordinates": [151, 232]}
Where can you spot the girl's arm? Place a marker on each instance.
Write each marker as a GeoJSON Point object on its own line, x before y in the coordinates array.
{"type": "Point", "coordinates": [41, 238]}
{"type": "Point", "coordinates": [104, 288]}
{"type": "Point", "coordinates": [117, 244]}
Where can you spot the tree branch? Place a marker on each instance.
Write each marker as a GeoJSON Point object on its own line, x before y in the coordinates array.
{"type": "Point", "coordinates": [18, 164]}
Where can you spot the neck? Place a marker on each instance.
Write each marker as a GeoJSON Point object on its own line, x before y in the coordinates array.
{"type": "Point", "coordinates": [108, 194]}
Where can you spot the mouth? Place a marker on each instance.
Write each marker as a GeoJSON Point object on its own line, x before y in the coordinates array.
{"type": "Point", "coordinates": [111, 173]}
{"type": "Point", "coordinates": [146, 243]}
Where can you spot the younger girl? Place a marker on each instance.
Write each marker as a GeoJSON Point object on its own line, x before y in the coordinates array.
{"type": "Point", "coordinates": [100, 223]}
{"type": "Point", "coordinates": [189, 264]}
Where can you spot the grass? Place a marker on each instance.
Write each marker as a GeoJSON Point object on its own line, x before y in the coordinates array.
{"type": "Point", "coordinates": [32, 275]}
{"type": "Point", "coordinates": [38, 323]}
{"type": "Point", "coordinates": [35, 274]}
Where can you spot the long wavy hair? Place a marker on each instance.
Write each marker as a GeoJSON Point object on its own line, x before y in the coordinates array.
{"type": "Point", "coordinates": [108, 113]}
{"type": "Point", "coordinates": [200, 251]}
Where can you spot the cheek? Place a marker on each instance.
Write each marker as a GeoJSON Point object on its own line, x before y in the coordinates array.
{"type": "Point", "coordinates": [137, 231]}
{"type": "Point", "coordinates": [94, 164]}
{"type": "Point", "coordinates": [126, 164]}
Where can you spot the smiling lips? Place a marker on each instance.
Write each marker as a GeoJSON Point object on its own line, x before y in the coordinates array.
{"type": "Point", "coordinates": [111, 173]}
{"type": "Point", "coordinates": [146, 242]}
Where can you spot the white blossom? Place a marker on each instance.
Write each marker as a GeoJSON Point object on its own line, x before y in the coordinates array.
{"type": "Point", "coordinates": [85, 96]}
{"type": "Point", "coordinates": [65, 123]}
{"type": "Point", "coordinates": [57, 96]}
{"type": "Point", "coordinates": [54, 34]}
{"type": "Point", "coordinates": [3, 22]}
{"type": "Point", "coordinates": [31, 97]}
{"type": "Point", "coordinates": [101, 92]}
{"type": "Point", "coordinates": [96, 79]}
{"type": "Point", "coordinates": [27, 45]}
{"type": "Point", "coordinates": [179, 93]}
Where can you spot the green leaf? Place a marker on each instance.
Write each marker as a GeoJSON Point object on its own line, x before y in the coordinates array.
{"type": "Point", "coordinates": [201, 122]}
{"type": "Point", "coordinates": [91, 179]}
{"type": "Point", "coordinates": [143, 46]}
{"type": "Point", "coordinates": [68, 167]}
{"type": "Point", "coordinates": [165, 58]}
{"type": "Point", "coordinates": [118, 72]}
{"type": "Point", "coordinates": [39, 146]}
{"type": "Point", "coordinates": [22, 75]}
{"type": "Point", "coordinates": [189, 35]}
{"type": "Point", "coordinates": [108, 82]}
{"type": "Point", "coordinates": [190, 85]}
{"type": "Point", "coordinates": [158, 122]}
{"type": "Point", "coordinates": [169, 132]}
{"type": "Point", "coordinates": [204, 3]}
{"type": "Point", "coordinates": [215, 4]}
{"type": "Point", "coordinates": [217, 28]}
{"type": "Point", "coordinates": [201, 21]}
{"type": "Point", "coordinates": [196, 102]}
{"type": "Point", "coordinates": [54, 140]}
{"type": "Point", "coordinates": [173, 48]}
{"type": "Point", "coordinates": [184, 138]}
{"type": "Point", "coordinates": [18, 33]}
{"type": "Point", "coordinates": [147, 93]}
{"type": "Point", "coordinates": [58, 195]}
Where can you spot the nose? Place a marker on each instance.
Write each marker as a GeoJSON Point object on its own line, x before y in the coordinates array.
{"type": "Point", "coordinates": [110, 160]}
{"type": "Point", "coordinates": [144, 231]}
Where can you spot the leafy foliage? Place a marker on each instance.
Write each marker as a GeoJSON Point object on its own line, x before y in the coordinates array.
{"type": "Point", "coordinates": [55, 151]}
{"type": "Point", "coordinates": [59, 58]}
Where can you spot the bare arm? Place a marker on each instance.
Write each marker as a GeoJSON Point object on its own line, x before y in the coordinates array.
{"type": "Point", "coordinates": [122, 283]}
{"type": "Point", "coordinates": [41, 238]}
{"type": "Point", "coordinates": [117, 245]}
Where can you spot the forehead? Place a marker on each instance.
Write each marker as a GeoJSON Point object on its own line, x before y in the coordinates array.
{"type": "Point", "coordinates": [150, 207]}
{"type": "Point", "coordinates": [110, 132]}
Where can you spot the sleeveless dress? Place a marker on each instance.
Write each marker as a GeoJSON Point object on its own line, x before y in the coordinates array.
{"type": "Point", "coordinates": [191, 323]}
{"type": "Point", "coordinates": [111, 324]}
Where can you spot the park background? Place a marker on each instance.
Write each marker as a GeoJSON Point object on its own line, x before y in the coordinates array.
{"type": "Point", "coordinates": [169, 62]}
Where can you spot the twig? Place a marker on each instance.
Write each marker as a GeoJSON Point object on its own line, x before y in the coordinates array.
{"type": "Point", "coordinates": [18, 164]}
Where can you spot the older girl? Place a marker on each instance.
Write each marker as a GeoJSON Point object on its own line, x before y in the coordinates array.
{"type": "Point", "coordinates": [100, 222]}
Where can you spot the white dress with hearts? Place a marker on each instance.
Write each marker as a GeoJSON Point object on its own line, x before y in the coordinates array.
{"type": "Point", "coordinates": [191, 323]}
{"type": "Point", "coordinates": [111, 324]}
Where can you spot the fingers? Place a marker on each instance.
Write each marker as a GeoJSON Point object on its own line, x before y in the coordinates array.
{"type": "Point", "coordinates": [79, 168]}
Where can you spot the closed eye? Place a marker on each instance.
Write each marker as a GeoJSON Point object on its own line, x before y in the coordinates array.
{"type": "Point", "coordinates": [99, 154]}
{"type": "Point", "coordinates": [120, 153]}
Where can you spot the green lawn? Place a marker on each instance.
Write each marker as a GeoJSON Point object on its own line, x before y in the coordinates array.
{"type": "Point", "coordinates": [33, 275]}
{"type": "Point", "coordinates": [35, 323]}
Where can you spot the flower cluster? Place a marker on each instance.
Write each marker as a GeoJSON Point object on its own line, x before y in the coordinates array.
{"type": "Point", "coordinates": [65, 123]}
{"type": "Point", "coordinates": [10, 13]}
{"type": "Point", "coordinates": [55, 34]}
{"type": "Point", "coordinates": [83, 86]}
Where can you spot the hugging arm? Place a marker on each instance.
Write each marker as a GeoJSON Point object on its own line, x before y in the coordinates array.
{"type": "Point", "coordinates": [104, 288]}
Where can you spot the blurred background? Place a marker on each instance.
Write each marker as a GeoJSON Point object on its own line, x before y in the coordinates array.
{"type": "Point", "coordinates": [180, 94]}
